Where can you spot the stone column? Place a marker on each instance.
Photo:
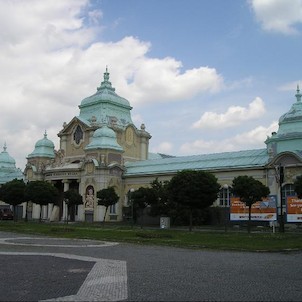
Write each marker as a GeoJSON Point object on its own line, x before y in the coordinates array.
{"type": "Point", "coordinates": [50, 208]}
{"type": "Point", "coordinates": [66, 188]}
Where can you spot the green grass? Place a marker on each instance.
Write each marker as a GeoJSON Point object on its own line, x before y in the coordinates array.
{"type": "Point", "coordinates": [198, 239]}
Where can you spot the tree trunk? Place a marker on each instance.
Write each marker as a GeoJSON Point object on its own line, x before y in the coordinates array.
{"type": "Point", "coordinates": [15, 212]}
{"type": "Point", "coordinates": [249, 222]}
{"type": "Point", "coordinates": [105, 215]}
{"type": "Point", "coordinates": [67, 214]}
{"type": "Point", "coordinates": [26, 211]}
{"type": "Point", "coordinates": [191, 220]}
{"type": "Point", "coordinates": [40, 218]}
{"type": "Point", "coordinates": [142, 218]}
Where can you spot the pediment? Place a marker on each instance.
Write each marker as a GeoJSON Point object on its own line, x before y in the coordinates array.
{"type": "Point", "coordinates": [68, 128]}
{"type": "Point", "coordinates": [286, 159]}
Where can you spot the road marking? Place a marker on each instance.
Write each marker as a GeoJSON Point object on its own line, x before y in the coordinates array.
{"type": "Point", "coordinates": [107, 280]}
{"type": "Point", "coordinates": [80, 242]}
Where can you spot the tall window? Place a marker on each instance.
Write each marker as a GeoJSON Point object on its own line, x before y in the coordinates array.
{"type": "Point", "coordinates": [287, 190]}
{"type": "Point", "coordinates": [224, 196]}
{"type": "Point", "coordinates": [112, 209]}
{"type": "Point", "coordinates": [78, 135]}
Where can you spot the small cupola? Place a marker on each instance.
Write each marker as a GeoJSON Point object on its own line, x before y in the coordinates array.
{"type": "Point", "coordinates": [43, 148]}
{"type": "Point", "coordinates": [6, 161]}
{"type": "Point", "coordinates": [289, 135]}
{"type": "Point", "coordinates": [104, 138]}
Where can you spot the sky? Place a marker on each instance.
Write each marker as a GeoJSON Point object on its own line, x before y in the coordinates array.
{"type": "Point", "coordinates": [204, 76]}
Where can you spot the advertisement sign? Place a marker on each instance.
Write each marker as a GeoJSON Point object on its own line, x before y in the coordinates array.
{"type": "Point", "coordinates": [294, 209]}
{"type": "Point", "coordinates": [264, 210]}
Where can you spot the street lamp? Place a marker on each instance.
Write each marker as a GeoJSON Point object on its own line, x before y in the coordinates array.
{"type": "Point", "coordinates": [132, 209]}
{"type": "Point", "coordinates": [225, 190]}
{"type": "Point", "coordinates": [281, 177]}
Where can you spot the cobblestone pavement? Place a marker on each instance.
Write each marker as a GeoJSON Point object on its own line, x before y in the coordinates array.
{"type": "Point", "coordinates": [36, 268]}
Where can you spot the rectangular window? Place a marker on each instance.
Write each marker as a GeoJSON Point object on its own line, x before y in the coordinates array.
{"type": "Point", "coordinates": [112, 209]}
{"type": "Point", "coordinates": [224, 197]}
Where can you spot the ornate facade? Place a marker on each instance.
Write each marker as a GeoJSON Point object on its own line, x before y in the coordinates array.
{"type": "Point", "coordinates": [94, 147]}
{"type": "Point", "coordinates": [102, 147]}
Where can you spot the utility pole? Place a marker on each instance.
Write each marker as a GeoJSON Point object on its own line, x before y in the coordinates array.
{"type": "Point", "coordinates": [281, 179]}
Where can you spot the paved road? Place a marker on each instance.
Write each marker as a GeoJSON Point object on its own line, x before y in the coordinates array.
{"type": "Point", "coordinates": [38, 268]}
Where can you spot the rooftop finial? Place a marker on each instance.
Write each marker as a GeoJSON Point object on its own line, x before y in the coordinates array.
{"type": "Point", "coordinates": [106, 75]}
{"type": "Point", "coordinates": [106, 84]}
{"type": "Point", "coordinates": [298, 94]}
{"type": "Point", "coordinates": [45, 134]}
{"type": "Point", "coordinates": [4, 147]}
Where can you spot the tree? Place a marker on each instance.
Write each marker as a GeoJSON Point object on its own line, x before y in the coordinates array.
{"type": "Point", "coordinates": [41, 192]}
{"type": "Point", "coordinates": [298, 186]}
{"type": "Point", "coordinates": [193, 190]}
{"type": "Point", "coordinates": [140, 199]}
{"type": "Point", "coordinates": [159, 200]}
{"type": "Point", "coordinates": [12, 193]}
{"type": "Point", "coordinates": [249, 190]}
{"type": "Point", "coordinates": [72, 198]}
{"type": "Point", "coordinates": [106, 198]}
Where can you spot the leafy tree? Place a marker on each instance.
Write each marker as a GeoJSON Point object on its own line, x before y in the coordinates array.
{"type": "Point", "coordinates": [72, 198]}
{"type": "Point", "coordinates": [193, 190]}
{"type": "Point", "coordinates": [159, 200]}
{"type": "Point", "coordinates": [249, 190]}
{"type": "Point", "coordinates": [140, 199]}
{"type": "Point", "coordinates": [41, 192]}
{"type": "Point", "coordinates": [106, 198]}
{"type": "Point", "coordinates": [12, 193]}
{"type": "Point", "coordinates": [298, 186]}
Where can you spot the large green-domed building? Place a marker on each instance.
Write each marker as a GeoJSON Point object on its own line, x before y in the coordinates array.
{"type": "Point", "coordinates": [102, 147]}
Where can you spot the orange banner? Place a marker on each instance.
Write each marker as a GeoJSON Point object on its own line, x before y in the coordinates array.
{"type": "Point", "coordinates": [294, 209]}
{"type": "Point", "coordinates": [264, 210]}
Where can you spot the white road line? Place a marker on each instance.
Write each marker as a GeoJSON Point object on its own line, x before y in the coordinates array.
{"type": "Point", "coordinates": [84, 243]}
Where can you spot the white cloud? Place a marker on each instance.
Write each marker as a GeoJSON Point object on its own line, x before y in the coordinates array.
{"type": "Point", "coordinates": [52, 57]}
{"type": "Point", "coordinates": [253, 139]}
{"type": "Point", "coordinates": [164, 147]}
{"type": "Point", "coordinates": [292, 86]}
{"type": "Point", "coordinates": [278, 15]}
{"type": "Point", "coordinates": [160, 79]}
{"type": "Point", "coordinates": [234, 116]}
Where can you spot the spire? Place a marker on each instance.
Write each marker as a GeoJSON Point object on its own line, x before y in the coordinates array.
{"type": "Point", "coordinates": [4, 147]}
{"type": "Point", "coordinates": [45, 134]}
{"type": "Point", "coordinates": [298, 94]}
{"type": "Point", "coordinates": [106, 83]}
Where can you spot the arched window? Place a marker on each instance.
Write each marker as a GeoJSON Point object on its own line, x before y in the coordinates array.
{"type": "Point", "coordinates": [78, 135]}
{"type": "Point", "coordinates": [287, 190]}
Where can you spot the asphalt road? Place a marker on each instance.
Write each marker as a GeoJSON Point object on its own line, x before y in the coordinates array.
{"type": "Point", "coordinates": [37, 269]}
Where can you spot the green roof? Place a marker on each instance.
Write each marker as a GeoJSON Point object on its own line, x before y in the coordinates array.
{"type": "Point", "coordinates": [104, 138]}
{"type": "Point", "coordinates": [208, 162]}
{"type": "Point", "coordinates": [8, 170]}
{"type": "Point", "coordinates": [43, 148]}
{"type": "Point", "coordinates": [105, 106]}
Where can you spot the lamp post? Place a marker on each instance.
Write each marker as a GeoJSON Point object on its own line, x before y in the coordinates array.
{"type": "Point", "coordinates": [281, 177]}
{"type": "Point", "coordinates": [66, 201]}
{"type": "Point", "coordinates": [132, 208]}
{"type": "Point", "coordinates": [225, 190]}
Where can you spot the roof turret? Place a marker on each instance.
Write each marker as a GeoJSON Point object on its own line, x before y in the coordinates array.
{"type": "Point", "coordinates": [6, 161]}
{"type": "Point", "coordinates": [104, 138]}
{"type": "Point", "coordinates": [289, 135]}
{"type": "Point", "coordinates": [105, 106]}
{"type": "Point", "coordinates": [292, 120]}
{"type": "Point", "coordinates": [43, 148]}
{"type": "Point", "coordinates": [8, 170]}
